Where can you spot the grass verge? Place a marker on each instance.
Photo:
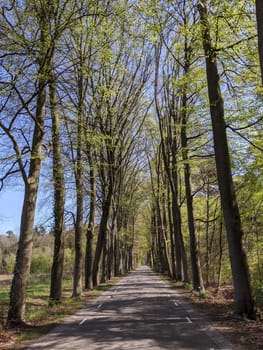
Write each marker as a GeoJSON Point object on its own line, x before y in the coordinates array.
{"type": "Point", "coordinates": [40, 317]}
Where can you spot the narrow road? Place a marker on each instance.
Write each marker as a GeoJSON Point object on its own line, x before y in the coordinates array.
{"type": "Point", "coordinates": [140, 312]}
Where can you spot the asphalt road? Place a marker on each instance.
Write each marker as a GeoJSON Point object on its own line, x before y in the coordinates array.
{"type": "Point", "coordinates": [140, 312]}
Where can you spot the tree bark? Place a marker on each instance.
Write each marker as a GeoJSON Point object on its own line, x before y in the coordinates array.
{"type": "Point", "coordinates": [105, 253]}
{"type": "Point", "coordinates": [91, 224]}
{"type": "Point", "coordinates": [244, 303]}
{"type": "Point", "coordinates": [24, 253]}
{"type": "Point", "coordinates": [181, 261]}
{"type": "Point", "coordinates": [162, 240]}
{"type": "Point", "coordinates": [259, 14]}
{"type": "Point", "coordinates": [207, 240]}
{"type": "Point", "coordinates": [81, 92]}
{"type": "Point", "coordinates": [117, 256]}
{"type": "Point", "coordinates": [172, 245]}
{"type": "Point", "coordinates": [59, 199]}
{"type": "Point", "coordinates": [106, 209]}
{"type": "Point", "coordinates": [155, 260]}
{"type": "Point", "coordinates": [169, 154]}
{"type": "Point", "coordinates": [197, 279]}
{"type": "Point", "coordinates": [220, 258]}
{"type": "Point", "coordinates": [77, 278]}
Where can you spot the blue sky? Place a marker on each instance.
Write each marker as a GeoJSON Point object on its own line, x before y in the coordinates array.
{"type": "Point", "coordinates": [10, 210]}
{"type": "Point", "coordinates": [11, 201]}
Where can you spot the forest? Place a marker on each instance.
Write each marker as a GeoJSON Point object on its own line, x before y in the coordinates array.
{"type": "Point", "coordinates": [135, 128]}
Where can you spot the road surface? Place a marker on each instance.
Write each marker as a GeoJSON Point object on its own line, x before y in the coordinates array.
{"type": "Point", "coordinates": [140, 312]}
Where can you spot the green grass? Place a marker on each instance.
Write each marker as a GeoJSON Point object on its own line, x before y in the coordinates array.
{"type": "Point", "coordinates": [39, 314]}
{"type": "Point", "coordinates": [4, 303]}
{"type": "Point", "coordinates": [4, 295]}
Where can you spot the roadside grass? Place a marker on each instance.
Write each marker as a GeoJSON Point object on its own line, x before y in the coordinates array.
{"type": "Point", "coordinates": [4, 302]}
{"type": "Point", "coordinates": [218, 305]}
{"type": "Point", "coordinates": [40, 316]}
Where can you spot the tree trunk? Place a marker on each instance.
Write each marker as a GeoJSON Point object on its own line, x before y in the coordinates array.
{"type": "Point", "coordinates": [259, 14]}
{"type": "Point", "coordinates": [131, 255]}
{"type": "Point", "coordinates": [173, 267]}
{"type": "Point", "coordinates": [244, 303]}
{"type": "Point", "coordinates": [111, 246]}
{"type": "Point", "coordinates": [154, 252]}
{"type": "Point", "coordinates": [106, 208]}
{"type": "Point", "coordinates": [105, 252]}
{"type": "Point", "coordinates": [197, 279]}
{"type": "Point", "coordinates": [77, 278]}
{"type": "Point", "coordinates": [181, 261]}
{"type": "Point", "coordinates": [165, 233]}
{"type": "Point", "coordinates": [24, 252]}
{"type": "Point", "coordinates": [91, 224]}
{"type": "Point", "coordinates": [110, 254]}
{"type": "Point", "coordinates": [220, 258]}
{"type": "Point", "coordinates": [162, 241]}
{"type": "Point", "coordinates": [59, 199]}
{"type": "Point", "coordinates": [117, 254]}
{"type": "Point", "coordinates": [207, 241]}
{"type": "Point", "coordinates": [161, 220]}
{"type": "Point", "coordinates": [25, 245]}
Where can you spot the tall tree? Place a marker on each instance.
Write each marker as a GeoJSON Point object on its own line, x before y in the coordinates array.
{"type": "Point", "coordinates": [51, 20]}
{"type": "Point", "coordinates": [188, 39]}
{"type": "Point", "coordinates": [243, 294]}
{"type": "Point", "coordinates": [31, 180]}
{"type": "Point", "coordinates": [59, 195]}
{"type": "Point", "coordinates": [78, 42]}
{"type": "Point", "coordinates": [168, 119]}
{"type": "Point", "coordinates": [259, 14]}
{"type": "Point", "coordinates": [118, 86]}
{"type": "Point", "coordinates": [92, 214]}
{"type": "Point", "coordinates": [77, 280]}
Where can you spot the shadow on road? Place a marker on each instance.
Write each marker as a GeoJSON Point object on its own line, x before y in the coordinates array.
{"type": "Point", "coordinates": [140, 312]}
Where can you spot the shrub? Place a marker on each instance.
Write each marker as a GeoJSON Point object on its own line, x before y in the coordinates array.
{"type": "Point", "coordinates": [41, 264]}
{"type": "Point", "coordinates": [9, 263]}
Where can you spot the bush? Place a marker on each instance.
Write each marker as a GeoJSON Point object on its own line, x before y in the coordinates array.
{"type": "Point", "coordinates": [68, 261]}
{"type": "Point", "coordinates": [9, 263]}
{"type": "Point", "coordinates": [41, 264]}
{"type": "Point", "coordinates": [258, 292]}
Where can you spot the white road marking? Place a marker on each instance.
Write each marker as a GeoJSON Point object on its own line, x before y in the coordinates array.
{"type": "Point", "coordinates": [188, 320]}
{"type": "Point", "coordinates": [83, 321]}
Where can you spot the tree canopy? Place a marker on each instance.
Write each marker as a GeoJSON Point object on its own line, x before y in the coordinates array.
{"type": "Point", "coordinates": [139, 124]}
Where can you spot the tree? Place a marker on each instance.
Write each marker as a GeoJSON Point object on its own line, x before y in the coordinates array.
{"type": "Point", "coordinates": [31, 180]}
{"type": "Point", "coordinates": [10, 234]}
{"type": "Point", "coordinates": [117, 87]}
{"type": "Point", "coordinates": [168, 119]}
{"type": "Point", "coordinates": [36, 50]}
{"type": "Point", "coordinates": [92, 216]}
{"type": "Point", "coordinates": [259, 14]}
{"type": "Point", "coordinates": [244, 302]}
{"type": "Point", "coordinates": [59, 196]}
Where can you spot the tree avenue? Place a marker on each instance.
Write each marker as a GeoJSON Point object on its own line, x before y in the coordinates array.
{"type": "Point", "coordinates": [139, 125]}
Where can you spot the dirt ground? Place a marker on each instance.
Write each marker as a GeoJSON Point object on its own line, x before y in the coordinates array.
{"type": "Point", "coordinates": [243, 333]}
{"type": "Point", "coordinates": [5, 280]}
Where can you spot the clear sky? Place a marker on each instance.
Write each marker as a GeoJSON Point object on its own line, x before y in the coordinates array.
{"type": "Point", "coordinates": [10, 210]}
